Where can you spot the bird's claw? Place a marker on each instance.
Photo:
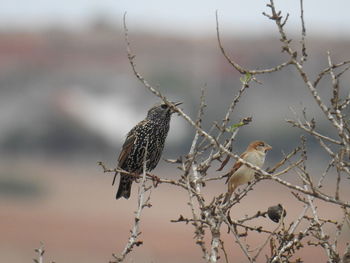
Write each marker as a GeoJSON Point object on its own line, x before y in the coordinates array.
{"type": "Point", "coordinates": [155, 179]}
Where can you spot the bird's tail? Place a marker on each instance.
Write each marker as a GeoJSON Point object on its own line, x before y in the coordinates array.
{"type": "Point", "coordinates": [124, 186]}
{"type": "Point", "coordinates": [228, 175]}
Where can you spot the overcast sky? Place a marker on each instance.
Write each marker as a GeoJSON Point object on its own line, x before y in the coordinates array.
{"type": "Point", "coordinates": [180, 16]}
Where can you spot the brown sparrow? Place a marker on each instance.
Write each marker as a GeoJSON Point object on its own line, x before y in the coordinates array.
{"type": "Point", "coordinates": [240, 173]}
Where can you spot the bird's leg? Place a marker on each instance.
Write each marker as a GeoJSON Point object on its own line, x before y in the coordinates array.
{"type": "Point", "coordinates": [155, 179]}
{"type": "Point", "coordinates": [135, 176]}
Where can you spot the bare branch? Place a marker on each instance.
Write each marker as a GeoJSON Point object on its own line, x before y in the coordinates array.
{"type": "Point", "coordinates": [40, 253]}
{"type": "Point", "coordinates": [327, 70]}
{"type": "Point", "coordinates": [303, 33]}
{"type": "Point", "coordinates": [311, 131]}
{"type": "Point", "coordinates": [141, 204]}
{"type": "Point", "coordinates": [234, 232]}
{"type": "Point", "coordinates": [237, 66]}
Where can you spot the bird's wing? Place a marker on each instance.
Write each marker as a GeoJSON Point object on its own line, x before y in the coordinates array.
{"type": "Point", "coordinates": [127, 147]}
{"type": "Point", "coordinates": [224, 163]}
{"type": "Point", "coordinates": [235, 167]}
{"type": "Point", "coordinates": [226, 160]}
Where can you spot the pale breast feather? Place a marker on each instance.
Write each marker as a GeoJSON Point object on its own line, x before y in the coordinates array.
{"type": "Point", "coordinates": [256, 158]}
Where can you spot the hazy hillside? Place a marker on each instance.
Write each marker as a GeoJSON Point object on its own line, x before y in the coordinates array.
{"type": "Point", "coordinates": [74, 92]}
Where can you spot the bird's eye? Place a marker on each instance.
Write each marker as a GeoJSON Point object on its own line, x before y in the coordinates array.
{"type": "Point", "coordinates": [164, 106]}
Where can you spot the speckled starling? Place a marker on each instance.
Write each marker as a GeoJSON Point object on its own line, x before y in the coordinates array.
{"type": "Point", "coordinates": [149, 133]}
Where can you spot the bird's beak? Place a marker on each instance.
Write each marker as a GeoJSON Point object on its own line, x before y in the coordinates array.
{"type": "Point", "coordinates": [267, 147]}
{"type": "Point", "coordinates": [175, 104]}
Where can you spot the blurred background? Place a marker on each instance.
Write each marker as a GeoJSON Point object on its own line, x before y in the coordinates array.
{"type": "Point", "coordinates": [68, 98]}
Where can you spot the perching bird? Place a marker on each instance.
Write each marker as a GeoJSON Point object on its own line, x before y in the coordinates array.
{"type": "Point", "coordinates": [149, 133]}
{"type": "Point", "coordinates": [240, 173]}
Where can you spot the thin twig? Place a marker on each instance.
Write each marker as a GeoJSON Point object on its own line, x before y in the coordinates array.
{"type": "Point", "coordinates": [141, 204]}
{"type": "Point", "coordinates": [237, 66]}
{"type": "Point", "coordinates": [40, 252]}
{"type": "Point", "coordinates": [303, 33]}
